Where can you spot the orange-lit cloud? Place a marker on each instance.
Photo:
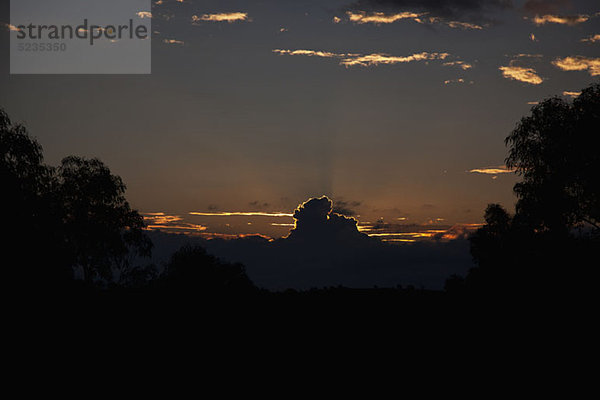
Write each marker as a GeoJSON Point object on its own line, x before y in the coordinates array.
{"type": "Point", "coordinates": [12, 28]}
{"type": "Point", "coordinates": [378, 18]}
{"type": "Point", "coordinates": [592, 39]}
{"type": "Point", "coordinates": [571, 94]}
{"type": "Point", "coordinates": [144, 14]}
{"type": "Point", "coordinates": [459, 80]}
{"type": "Point", "coordinates": [310, 53]}
{"type": "Point", "coordinates": [461, 64]}
{"type": "Point", "coordinates": [165, 222]}
{"type": "Point", "coordinates": [173, 41]}
{"type": "Point", "coordinates": [362, 17]}
{"type": "Point", "coordinates": [501, 169]}
{"type": "Point", "coordinates": [241, 214]}
{"type": "Point", "coordinates": [579, 63]}
{"type": "Point", "coordinates": [532, 37]}
{"type": "Point", "coordinates": [378, 58]}
{"type": "Point", "coordinates": [522, 74]}
{"type": "Point", "coordinates": [221, 17]}
{"type": "Point", "coordinates": [350, 59]}
{"type": "Point", "coordinates": [558, 19]}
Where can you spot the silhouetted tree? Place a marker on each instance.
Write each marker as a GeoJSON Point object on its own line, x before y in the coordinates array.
{"type": "Point", "coordinates": [552, 240]}
{"type": "Point", "coordinates": [193, 272]}
{"type": "Point", "coordinates": [62, 218]}
{"type": "Point", "coordinates": [556, 151]}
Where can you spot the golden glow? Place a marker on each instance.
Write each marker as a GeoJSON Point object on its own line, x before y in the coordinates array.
{"type": "Point", "coordinates": [522, 74]}
{"type": "Point", "coordinates": [241, 214]}
{"type": "Point", "coordinates": [310, 53]}
{"type": "Point", "coordinates": [350, 59]}
{"type": "Point", "coordinates": [592, 39]}
{"type": "Point", "coordinates": [144, 14]}
{"type": "Point", "coordinates": [460, 64]}
{"type": "Point", "coordinates": [579, 63]}
{"type": "Point", "coordinates": [377, 58]}
{"type": "Point", "coordinates": [571, 94]}
{"type": "Point", "coordinates": [173, 41]}
{"type": "Point", "coordinates": [361, 17]}
{"type": "Point", "coordinates": [501, 169]}
{"type": "Point", "coordinates": [221, 17]}
{"type": "Point", "coordinates": [459, 80]}
{"type": "Point", "coordinates": [463, 25]}
{"type": "Point", "coordinates": [557, 19]}
{"type": "Point", "coordinates": [12, 28]}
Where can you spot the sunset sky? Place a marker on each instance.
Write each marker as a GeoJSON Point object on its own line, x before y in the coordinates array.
{"type": "Point", "coordinates": [396, 109]}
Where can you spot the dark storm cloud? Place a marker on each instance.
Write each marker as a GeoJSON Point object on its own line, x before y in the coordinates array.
{"type": "Point", "coordinates": [474, 10]}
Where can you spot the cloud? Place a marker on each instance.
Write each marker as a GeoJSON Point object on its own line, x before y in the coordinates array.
{"type": "Point", "coordinates": [522, 74]}
{"type": "Point", "coordinates": [221, 17]}
{"type": "Point", "coordinates": [459, 80]}
{"type": "Point", "coordinates": [379, 58]}
{"type": "Point", "coordinates": [12, 28]}
{"type": "Point", "coordinates": [378, 18]}
{"type": "Point", "coordinates": [470, 10]}
{"type": "Point", "coordinates": [173, 41]}
{"type": "Point", "coordinates": [592, 39]}
{"type": "Point", "coordinates": [461, 64]}
{"type": "Point", "coordinates": [571, 94]}
{"type": "Point", "coordinates": [570, 20]}
{"type": "Point", "coordinates": [501, 169]}
{"type": "Point", "coordinates": [374, 59]}
{"type": "Point", "coordinates": [171, 223]}
{"type": "Point", "coordinates": [315, 221]}
{"type": "Point", "coordinates": [362, 17]}
{"type": "Point", "coordinates": [579, 63]}
{"type": "Point", "coordinates": [144, 14]}
{"type": "Point", "coordinates": [310, 53]}
{"type": "Point", "coordinates": [240, 214]}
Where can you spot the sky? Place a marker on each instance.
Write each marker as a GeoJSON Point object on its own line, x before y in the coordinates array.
{"type": "Point", "coordinates": [395, 109]}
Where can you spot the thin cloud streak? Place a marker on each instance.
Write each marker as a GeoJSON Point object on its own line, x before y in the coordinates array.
{"type": "Point", "coordinates": [374, 59]}
{"type": "Point", "coordinates": [222, 17]}
{"type": "Point", "coordinates": [241, 214]}
{"type": "Point", "coordinates": [500, 169]}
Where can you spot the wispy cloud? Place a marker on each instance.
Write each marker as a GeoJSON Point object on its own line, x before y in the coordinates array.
{"type": "Point", "coordinates": [559, 19]}
{"type": "Point", "coordinates": [366, 60]}
{"type": "Point", "coordinates": [362, 17]}
{"type": "Point", "coordinates": [571, 94]}
{"type": "Point", "coordinates": [144, 14]}
{"type": "Point", "coordinates": [221, 17]}
{"type": "Point", "coordinates": [378, 58]}
{"type": "Point", "coordinates": [12, 28]}
{"type": "Point", "coordinates": [378, 18]}
{"type": "Point", "coordinates": [500, 169]}
{"type": "Point", "coordinates": [592, 39]}
{"type": "Point", "coordinates": [241, 214]}
{"type": "Point", "coordinates": [461, 64]}
{"type": "Point", "coordinates": [173, 41]}
{"type": "Point", "coordinates": [449, 81]}
{"type": "Point", "coordinates": [579, 63]}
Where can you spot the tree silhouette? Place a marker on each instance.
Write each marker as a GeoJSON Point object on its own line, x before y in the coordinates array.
{"type": "Point", "coordinates": [193, 272]}
{"type": "Point", "coordinates": [556, 151]}
{"type": "Point", "coordinates": [72, 216]}
{"type": "Point", "coordinates": [552, 240]}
